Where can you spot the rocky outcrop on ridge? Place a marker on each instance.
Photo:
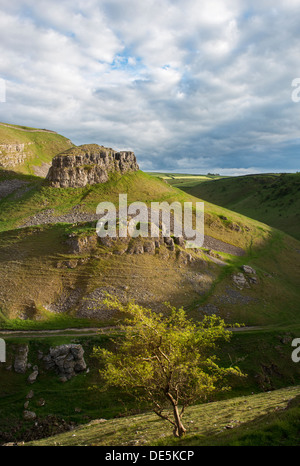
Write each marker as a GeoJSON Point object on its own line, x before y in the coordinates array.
{"type": "Point", "coordinates": [12, 155]}
{"type": "Point", "coordinates": [89, 164]}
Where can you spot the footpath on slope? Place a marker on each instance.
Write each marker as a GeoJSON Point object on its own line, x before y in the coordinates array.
{"type": "Point", "coordinates": [17, 128]}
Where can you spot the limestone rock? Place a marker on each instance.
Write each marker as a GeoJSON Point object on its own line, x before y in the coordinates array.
{"type": "Point", "coordinates": [81, 244]}
{"type": "Point", "coordinates": [66, 360]}
{"type": "Point", "coordinates": [89, 164]}
{"type": "Point", "coordinates": [149, 247]}
{"type": "Point", "coordinates": [248, 269]}
{"type": "Point", "coordinates": [20, 363]}
{"type": "Point", "coordinates": [170, 243]}
{"type": "Point", "coordinates": [239, 279]}
{"type": "Point", "coordinates": [33, 376]}
{"type": "Point", "coordinates": [12, 155]}
{"type": "Point", "coordinates": [30, 395]}
{"type": "Point", "coordinates": [179, 241]}
{"type": "Point", "coordinates": [29, 415]}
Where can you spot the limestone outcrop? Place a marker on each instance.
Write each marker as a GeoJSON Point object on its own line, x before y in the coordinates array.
{"type": "Point", "coordinates": [89, 164]}
{"type": "Point", "coordinates": [12, 155]}
{"type": "Point", "coordinates": [66, 360]}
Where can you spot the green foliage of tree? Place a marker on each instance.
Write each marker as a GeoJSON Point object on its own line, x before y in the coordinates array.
{"type": "Point", "coordinates": [167, 360]}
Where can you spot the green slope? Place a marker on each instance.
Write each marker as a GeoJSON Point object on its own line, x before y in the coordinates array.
{"type": "Point", "coordinates": [30, 257]}
{"type": "Point", "coordinates": [40, 145]}
{"type": "Point", "coordinates": [270, 198]}
{"type": "Point", "coordinates": [246, 417]}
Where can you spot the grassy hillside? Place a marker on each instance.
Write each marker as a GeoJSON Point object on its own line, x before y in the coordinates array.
{"type": "Point", "coordinates": [238, 421]}
{"type": "Point", "coordinates": [40, 145]}
{"type": "Point", "coordinates": [264, 355]}
{"type": "Point", "coordinates": [30, 257]}
{"type": "Point", "coordinates": [270, 198]}
{"type": "Point", "coordinates": [180, 180]}
{"type": "Point", "coordinates": [44, 285]}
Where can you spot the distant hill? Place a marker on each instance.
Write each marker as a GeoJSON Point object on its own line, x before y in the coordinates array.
{"type": "Point", "coordinates": [29, 150]}
{"type": "Point", "coordinates": [273, 199]}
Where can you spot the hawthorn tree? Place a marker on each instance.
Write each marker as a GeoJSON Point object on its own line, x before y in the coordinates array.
{"type": "Point", "coordinates": [166, 360]}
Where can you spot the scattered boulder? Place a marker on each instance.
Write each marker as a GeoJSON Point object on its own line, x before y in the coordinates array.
{"type": "Point", "coordinates": [30, 395]}
{"type": "Point", "coordinates": [239, 279]}
{"type": "Point", "coordinates": [136, 247]}
{"type": "Point", "coordinates": [20, 363]}
{"type": "Point", "coordinates": [179, 241]}
{"type": "Point", "coordinates": [33, 376]}
{"type": "Point", "coordinates": [82, 244]}
{"type": "Point", "coordinates": [235, 227]}
{"type": "Point", "coordinates": [184, 257]}
{"type": "Point", "coordinates": [29, 415]}
{"type": "Point", "coordinates": [170, 243]}
{"type": "Point", "coordinates": [248, 269]}
{"type": "Point", "coordinates": [253, 280]}
{"type": "Point", "coordinates": [149, 247]}
{"type": "Point", "coordinates": [41, 402]}
{"type": "Point", "coordinates": [66, 360]}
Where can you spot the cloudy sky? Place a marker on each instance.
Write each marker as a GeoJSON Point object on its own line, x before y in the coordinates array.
{"type": "Point", "coordinates": [189, 85]}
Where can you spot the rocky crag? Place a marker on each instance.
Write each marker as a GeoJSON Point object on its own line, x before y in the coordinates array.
{"type": "Point", "coordinates": [12, 155]}
{"type": "Point", "coordinates": [89, 164]}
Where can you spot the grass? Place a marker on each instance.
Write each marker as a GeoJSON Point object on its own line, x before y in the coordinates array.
{"type": "Point", "coordinates": [210, 423]}
{"type": "Point", "coordinates": [75, 401]}
{"type": "Point", "coordinates": [31, 279]}
{"type": "Point", "coordinates": [30, 255]}
{"type": "Point", "coordinates": [40, 147]}
{"type": "Point", "coordinates": [271, 198]}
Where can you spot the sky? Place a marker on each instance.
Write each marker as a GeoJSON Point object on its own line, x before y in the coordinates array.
{"type": "Point", "coordinates": [190, 86]}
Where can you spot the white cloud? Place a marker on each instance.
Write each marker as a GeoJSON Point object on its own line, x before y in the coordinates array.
{"type": "Point", "coordinates": [198, 83]}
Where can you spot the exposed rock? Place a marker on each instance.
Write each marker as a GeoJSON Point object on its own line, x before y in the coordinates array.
{"type": "Point", "coordinates": [253, 280]}
{"type": "Point", "coordinates": [82, 244]}
{"type": "Point", "coordinates": [12, 155]}
{"type": "Point", "coordinates": [235, 227]}
{"type": "Point", "coordinates": [68, 299]}
{"type": "Point", "coordinates": [89, 164]}
{"type": "Point", "coordinates": [135, 247]}
{"type": "Point", "coordinates": [239, 280]}
{"type": "Point", "coordinates": [41, 402]}
{"type": "Point", "coordinates": [149, 247]}
{"type": "Point", "coordinates": [170, 243]}
{"type": "Point", "coordinates": [179, 241]}
{"type": "Point", "coordinates": [29, 415]}
{"type": "Point", "coordinates": [66, 360]}
{"type": "Point", "coordinates": [30, 395]}
{"type": "Point", "coordinates": [93, 305]}
{"type": "Point", "coordinates": [9, 186]}
{"type": "Point", "coordinates": [20, 364]}
{"type": "Point", "coordinates": [248, 269]}
{"type": "Point", "coordinates": [32, 377]}
{"type": "Point", "coordinates": [184, 257]}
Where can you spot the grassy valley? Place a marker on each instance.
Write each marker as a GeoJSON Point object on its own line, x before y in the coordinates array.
{"type": "Point", "coordinates": [270, 198]}
{"type": "Point", "coordinates": [51, 294]}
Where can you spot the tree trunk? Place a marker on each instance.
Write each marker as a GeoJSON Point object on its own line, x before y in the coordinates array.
{"type": "Point", "coordinates": [179, 430]}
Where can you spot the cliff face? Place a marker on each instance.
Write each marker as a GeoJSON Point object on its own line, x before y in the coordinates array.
{"type": "Point", "coordinates": [89, 164]}
{"type": "Point", "coordinates": [12, 155]}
